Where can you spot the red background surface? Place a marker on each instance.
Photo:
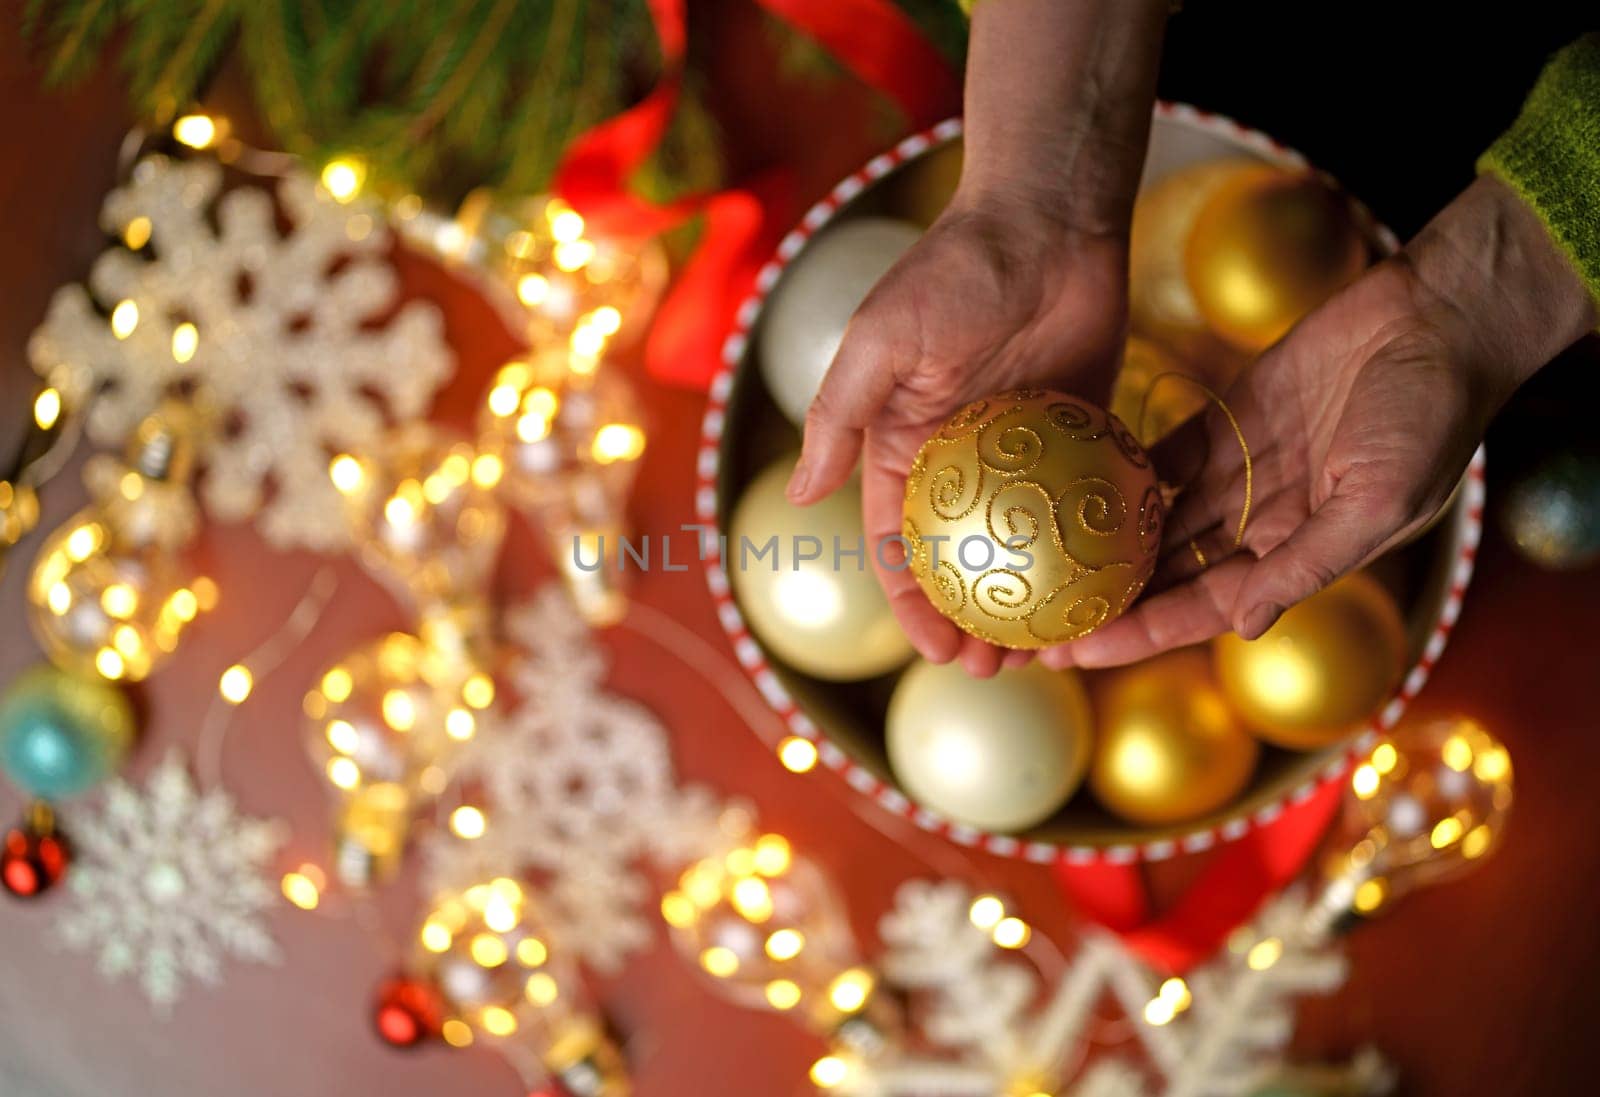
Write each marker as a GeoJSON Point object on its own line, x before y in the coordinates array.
{"type": "Point", "coordinates": [1486, 985]}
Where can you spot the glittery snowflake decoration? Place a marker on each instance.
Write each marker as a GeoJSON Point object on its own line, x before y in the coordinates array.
{"type": "Point", "coordinates": [1003, 1030]}
{"type": "Point", "coordinates": [168, 883]}
{"type": "Point", "coordinates": [578, 788]}
{"type": "Point", "coordinates": [273, 335]}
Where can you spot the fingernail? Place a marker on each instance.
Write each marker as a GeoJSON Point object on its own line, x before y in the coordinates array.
{"type": "Point", "coordinates": [797, 481]}
{"type": "Point", "coordinates": [1259, 620]}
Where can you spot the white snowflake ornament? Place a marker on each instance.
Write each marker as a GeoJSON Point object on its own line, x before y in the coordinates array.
{"type": "Point", "coordinates": [578, 789]}
{"type": "Point", "coordinates": [271, 335]}
{"type": "Point", "coordinates": [168, 883]}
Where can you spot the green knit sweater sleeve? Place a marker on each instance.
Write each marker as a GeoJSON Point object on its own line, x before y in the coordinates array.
{"type": "Point", "coordinates": [1551, 154]}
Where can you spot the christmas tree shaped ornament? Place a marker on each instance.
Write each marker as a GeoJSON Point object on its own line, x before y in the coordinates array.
{"type": "Point", "coordinates": [271, 334]}
{"type": "Point", "coordinates": [110, 593]}
{"type": "Point", "coordinates": [1033, 518]}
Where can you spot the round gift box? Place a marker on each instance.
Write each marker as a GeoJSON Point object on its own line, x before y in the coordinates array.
{"type": "Point", "coordinates": [845, 720]}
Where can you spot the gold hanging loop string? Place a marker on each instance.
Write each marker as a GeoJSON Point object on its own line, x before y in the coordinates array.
{"type": "Point", "coordinates": [1238, 435]}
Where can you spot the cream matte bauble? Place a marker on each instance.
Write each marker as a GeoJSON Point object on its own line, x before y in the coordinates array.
{"type": "Point", "coordinates": [1032, 517]}
{"type": "Point", "coordinates": [820, 291]}
{"type": "Point", "coordinates": [1168, 748]}
{"type": "Point", "coordinates": [1000, 753]}
{"type": "Point", "coordinates": [825, 617]}
{"type": "Point", "coordinates": [1323, 668]}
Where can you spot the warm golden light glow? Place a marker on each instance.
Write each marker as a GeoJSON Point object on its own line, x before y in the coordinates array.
{"type": "Point", "coordinates": [343, 177]}
{"type": "Point", "coordinates": [797, 755]}
{"type": "Point", "coordinates": [678, 910]}
{"type": "Point", "coordinates": [541, 989]}
{"type": "Point", "coordinates": [719, 961]}
{"type": "Point", "coordinates": [1384, 758]}
{"type": "Point", "coordinates": [752, 898]}
{"type": "Point", "coordinates": [487, 469]}
{"type": "Point", "coordinates": [617, 442]}
{"type": "Point", "coordinates": [478, 691]}
{"type": "Point", "coordinates": [1446, 832]}
{"type": "Point", "coordinates": [532, 289]}
{"type": "Point", "coordinates": [785, 944]}
{"type": "Point", "coordinates": [459, 724]}
{"type": "Point", "coordinates": [346, 473]}
{"type": "Point", "coordinates": [1264, 953]}
{"type": "Point", "coordinates": [850, 990]}
{"type": "Point", "coordinates": [986, 912]}
{"type": "Point", "coordinates": [336, 684]}
{"type": "Point", "coordinates": [185, 342]}
{"type": "Point", "coordinates": [399, 711]}
{"type": "Point", "coordinates": [488, 950]}
{"type": "Point", "coordinates": [342, 736]}
{"type": "Point", "coordinates": [504, 400]}
{"type": "Point", "coordinates": [1365, 780]}
{"type": "Point", "coordinates": [1011, 933]}
{"type": "Point", "coordinates": [344, 773]}
{"type": "Point", "coordinates": [829, 1072]}
{"type": "Point", "coordinates": [235, 684]}
{"type": "Point", "coordinates": [1370, 895]}
{"type": "Point", "coordinates": [456, 1033]}
{"type": "Point", "coordinates": [436, 936]}
{"type": "Point", "coordinates": [566, 225]}
{"type": "Point", "coordinates": [498, 1021]}
{"type": "Point", "coordinates": [468, 822]}
{"type": "Point", "coordinates": [136, 233]}
{"type": "Point", "coordinates": [301, 890]}
{"type": "Point", "coordinates": [47, 408]}
{"type": "Point", "coordinates": [771, 855]}
{"type": "Point", "coordinates": [124, 318]}
{"type": "Point", "coordinates": [119, 600]}
{"type": "Point", "coordinates": [197, 131]}
{"type": "Point", "coordinates": [531, 952]}
{"type": "Point", "coordinates": [1456, 753]}
{"type": "Point", "coordinates": [783, 994]}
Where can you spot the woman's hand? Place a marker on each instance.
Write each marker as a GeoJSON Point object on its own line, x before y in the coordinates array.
{"type": "Point", "coordinates": [991, 298]}
{"type": "Point", "coordinates": [1360, 423]}
{"type": "Point", "coordinates": [1023, 279]}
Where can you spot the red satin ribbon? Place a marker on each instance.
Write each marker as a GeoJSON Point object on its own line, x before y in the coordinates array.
{"type": "Point", "coordinates": [1227, 893]}
{"type": "Point", "coordinates": [742, 225]}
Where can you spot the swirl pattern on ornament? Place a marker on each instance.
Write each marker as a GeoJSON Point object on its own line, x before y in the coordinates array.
{"type": "Point", "coordinates": [1022, 518]}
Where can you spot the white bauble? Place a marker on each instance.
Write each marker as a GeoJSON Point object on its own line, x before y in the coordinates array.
{"type": "Point", "coordinates": [823, 287]}
{"type": "Point", "coordinates": [1001, 753]}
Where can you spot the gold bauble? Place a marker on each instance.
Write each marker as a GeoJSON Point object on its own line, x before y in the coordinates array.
{"type": "Point", "coordinates": [920, 191]}
{"type": "Point", "coordinates": [1032, 517]}
{"type": "Point", "coordinates": [1160, 303]}
{"type": "Point", "coordinates": [1152, 414]}
{"type": "Point", "coordinates": [1267, 248]}
{"type": "Point", "coordinates": [1001, 753]}
{"type": "Point", "coordinates": [1324, 667]}
{"type": "Point", "coordinates": [1168, 748]}
{"type": "Point", "coordinates": [825, 616]}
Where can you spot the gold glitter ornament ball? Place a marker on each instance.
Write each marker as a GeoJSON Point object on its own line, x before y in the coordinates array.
{"type": "Point", "coordinates": [1325, 666]}
{"type": "Point", "coordinates": [1000, 753]}
{"type": "Point", "coordinates": [1032, 518]}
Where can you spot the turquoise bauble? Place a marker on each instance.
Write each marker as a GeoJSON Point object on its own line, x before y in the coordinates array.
{"type": "Point", "coordinates": [61, 734]}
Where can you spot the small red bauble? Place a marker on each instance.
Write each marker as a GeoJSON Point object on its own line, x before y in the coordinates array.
{"type": "Point", "coordinates": [406, 1011]}
{"type": "Point", "coordinates": [34, 857]}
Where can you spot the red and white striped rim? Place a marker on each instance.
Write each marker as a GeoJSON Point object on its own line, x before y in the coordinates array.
{"type": "Point", "coordinates": [1467, 524]}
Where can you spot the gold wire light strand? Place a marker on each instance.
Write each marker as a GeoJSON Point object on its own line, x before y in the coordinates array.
{"type": "Point", "coordinates": [260, 662]}
{"type": "Point", "coordinates": [1238, 436]}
